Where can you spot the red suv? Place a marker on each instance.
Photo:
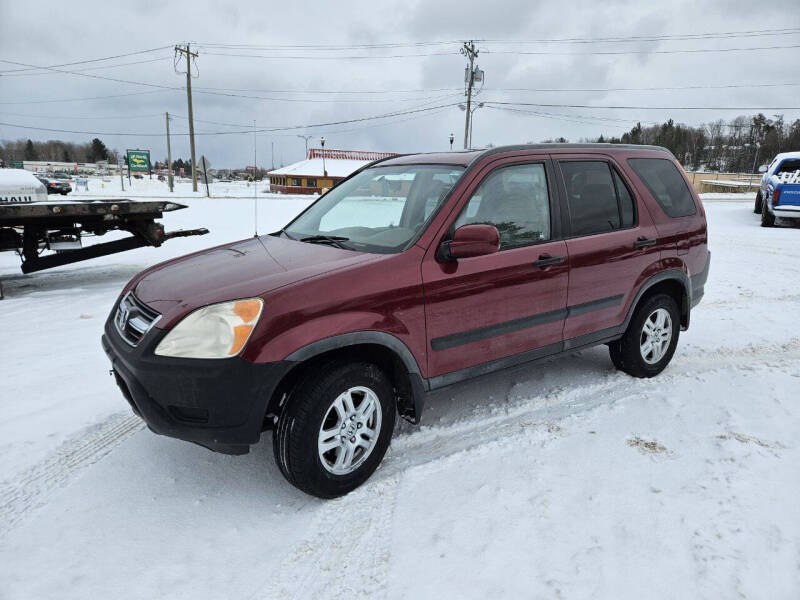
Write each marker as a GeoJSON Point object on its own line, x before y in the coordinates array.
{"type": "Point", "coordinates": [414, 273]}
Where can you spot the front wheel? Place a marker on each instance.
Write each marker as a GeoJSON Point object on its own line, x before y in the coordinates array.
{"type": "Point", "coordinates": [650, 340]}
{"type": "Point", "coordinates": [759, 203]}
{"type": "Point", "coordinates": [335, 428]}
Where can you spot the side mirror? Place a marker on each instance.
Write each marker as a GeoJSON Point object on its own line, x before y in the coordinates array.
{"type": "Point", "coordinates": [471, 240]}
{"type": "Point", "coordinates": [762, 169]}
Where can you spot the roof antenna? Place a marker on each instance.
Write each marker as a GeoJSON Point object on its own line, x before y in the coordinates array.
{"type": "Point", "coordinates": [255, 185]}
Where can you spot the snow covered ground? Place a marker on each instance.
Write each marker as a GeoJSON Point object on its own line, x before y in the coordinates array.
{"type": "Point", "coordinates": [564, 479]}
{"type": "Point", "coordinates": [111, 187]}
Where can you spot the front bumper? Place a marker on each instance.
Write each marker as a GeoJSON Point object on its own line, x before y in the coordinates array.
{"type": "Point", "coordinates": [219, 404]}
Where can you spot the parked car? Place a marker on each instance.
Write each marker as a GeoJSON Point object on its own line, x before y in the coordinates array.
{"type": "Point", "coordinates": [472, 262]}
{"type": "Point", "coordinates": [779, 193]}
{"type": "Point", "coordinates": [55, 186]}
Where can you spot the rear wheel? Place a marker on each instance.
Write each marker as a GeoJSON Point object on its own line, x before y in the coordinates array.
{"type": "Point", "coordinates": [767, 218]}
{"type": "Point", "coordinates": [335, 428]}
{"type": "Point", "coordinates": [759, 203]}
{"type": "Point", "coordinates": [650, 340]}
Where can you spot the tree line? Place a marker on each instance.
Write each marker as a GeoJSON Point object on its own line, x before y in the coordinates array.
{"type": "Point", "coordinates": [738, 146]}
{"type": "Point", "coordinates": [56, 151]}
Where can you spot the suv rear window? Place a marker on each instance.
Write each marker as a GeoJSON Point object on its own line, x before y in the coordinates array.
{"type": "Point", "coordinates": [666, 185]}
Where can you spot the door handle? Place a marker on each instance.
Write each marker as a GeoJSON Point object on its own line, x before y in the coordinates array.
{"type": "Point", "coordinates": [643, 242]}
{"type": "Point", "coordinates": [545, 260]}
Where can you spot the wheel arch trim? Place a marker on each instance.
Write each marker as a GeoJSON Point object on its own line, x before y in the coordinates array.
{"type": "Point", "coordinates": [417, 385]}
{"type": "Point", "coordinates": [668, 275]}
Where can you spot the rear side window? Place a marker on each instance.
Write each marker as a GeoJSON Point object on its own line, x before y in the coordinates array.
{"type": "Point", "coordinates": [788, 166]}
{"type": "Point", "coordinates": [625, 202]}
{"type": "Point", "coordinates": [666, 185]}
{"type": "Point", "coordinates": [592, 198]}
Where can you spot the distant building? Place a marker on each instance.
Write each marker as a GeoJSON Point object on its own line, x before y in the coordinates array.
{"type": "Point", "coordinates": [53, 166]}
{"type": "Point", "coordinates": [323, 169]}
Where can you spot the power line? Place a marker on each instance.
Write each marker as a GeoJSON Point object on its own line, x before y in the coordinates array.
{"type": "Point", "coordinates": [646, 89]}
{"type": "Point", "coordinates": [756, 108]}
{"type": "Point", "coordinates": [650, 38]}
{"type": "Point", "coordinates": [114, 79]}
{"type": "Point", "coordinates": [577, 40]}
{"type": "Point", "coordinates": [97, 68]}
{"type": "Point", "coordinates": [299, 91]}
{"type": "Point", "coordinates": [91, 60]}
{"type": "Point", "coordinates": [92, 118]}
{"type": "Point", "coordinates": [620, 52]}
{"type": "Point", "coordinates": [338, 57]}
{"type": "Point", "coordinates": [250, 131]}
{"type": "Point", "coordinates": [424, 104]}
{"type": "Point", "coordinates": [84, 99]}
{"type": "Point", "coordinates": [308, 100]}
{"type": "Point", "coordinates": [583, 120]}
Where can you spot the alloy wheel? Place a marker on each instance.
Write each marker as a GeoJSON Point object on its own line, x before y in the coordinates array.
{"type": "Point", "coordinates": [349, 430]}
{"type": "Point", "coordinates": [656, 336]}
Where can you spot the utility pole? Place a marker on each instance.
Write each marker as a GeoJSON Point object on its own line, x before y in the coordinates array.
{"type": "Point", "coordinates": [755, 160]}
{"type": "Point", "coordinates": [471, 53]}
{"type": "Point", "coordinates": [189, 55]}
{"type": "Point", "coordinates": [169, 159]}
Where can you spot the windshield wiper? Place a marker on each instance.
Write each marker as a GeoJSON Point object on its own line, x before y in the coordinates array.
{"type": "Point", "coordinates": [333, 240]}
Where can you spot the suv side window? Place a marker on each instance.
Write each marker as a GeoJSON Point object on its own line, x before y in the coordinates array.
{"type": "Point", "coordinates": [592, 197]}
{"type": "Point", "coordinates": [626, 205]}
{"type": "Point", "coordinates": [516, 201]}
{"type": "Point", "coordinates": [666, 185]}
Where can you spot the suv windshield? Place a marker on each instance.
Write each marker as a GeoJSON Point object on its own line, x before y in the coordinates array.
{"type": "Point", "coordinates": [382, 209]}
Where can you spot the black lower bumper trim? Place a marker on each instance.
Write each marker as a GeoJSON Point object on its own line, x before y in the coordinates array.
{"type": "Point", "coordinates": [219, 404]}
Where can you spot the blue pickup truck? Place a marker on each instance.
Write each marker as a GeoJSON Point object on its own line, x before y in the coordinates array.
{"type": "Point", "coordinates": [779, 193]}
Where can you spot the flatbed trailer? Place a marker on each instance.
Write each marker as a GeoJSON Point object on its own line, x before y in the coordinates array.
{"type": "Point", "coordinates": [33, 228]}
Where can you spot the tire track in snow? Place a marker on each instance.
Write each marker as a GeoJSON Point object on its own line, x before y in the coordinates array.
{"type": "Point", "coordinates": [347, 552]}
{"type": "Point", "coordinates": [557, 401]}
{"type": "Point", "coordinates": [30, 489]}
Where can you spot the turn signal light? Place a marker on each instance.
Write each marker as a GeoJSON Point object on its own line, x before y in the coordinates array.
{"type": "Point", "coordinates": [248, 311]}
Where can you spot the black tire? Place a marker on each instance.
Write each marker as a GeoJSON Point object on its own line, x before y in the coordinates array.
{"type": "Point", "coordinates": [759, 203]}
{"type": "Point", "coordinates": [767, 218]}
{"type": "Point", "coordinates": [295, 438]}
{"type": "Point", "coordinates": [625, 352]}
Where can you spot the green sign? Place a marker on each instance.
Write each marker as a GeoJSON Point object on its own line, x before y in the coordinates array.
{"type": "Point", "coordinates": [139, 160]}
{"type": "Point", "coordinates": [17, 164]}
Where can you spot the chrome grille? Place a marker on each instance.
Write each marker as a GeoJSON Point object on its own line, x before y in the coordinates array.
{"type": "Point", "coordinates": [134, 319]}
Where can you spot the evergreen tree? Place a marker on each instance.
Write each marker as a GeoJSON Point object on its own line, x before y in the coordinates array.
{"type": "Point", "coordinates": [98, 151]}
{"type": "Point", "coordinates": [30, 151]}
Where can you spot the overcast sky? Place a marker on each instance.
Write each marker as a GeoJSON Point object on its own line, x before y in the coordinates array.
{"type": "Point", "coordinates": [285, 91]}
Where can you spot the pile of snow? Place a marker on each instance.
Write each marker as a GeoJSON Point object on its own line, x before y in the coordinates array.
{"type": "Point", "coordinates": [563, 479]}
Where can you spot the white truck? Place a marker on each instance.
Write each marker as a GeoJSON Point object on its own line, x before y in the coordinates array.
{"type": "Point", "coordinates": [47, 233]}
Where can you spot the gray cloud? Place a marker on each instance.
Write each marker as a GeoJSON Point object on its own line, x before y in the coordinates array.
{"type": "Point", "coordinates": [85, 30]}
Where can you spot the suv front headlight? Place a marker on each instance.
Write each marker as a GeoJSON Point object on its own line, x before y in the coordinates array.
{"type": "Point", "coordinates": [215, 331]}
